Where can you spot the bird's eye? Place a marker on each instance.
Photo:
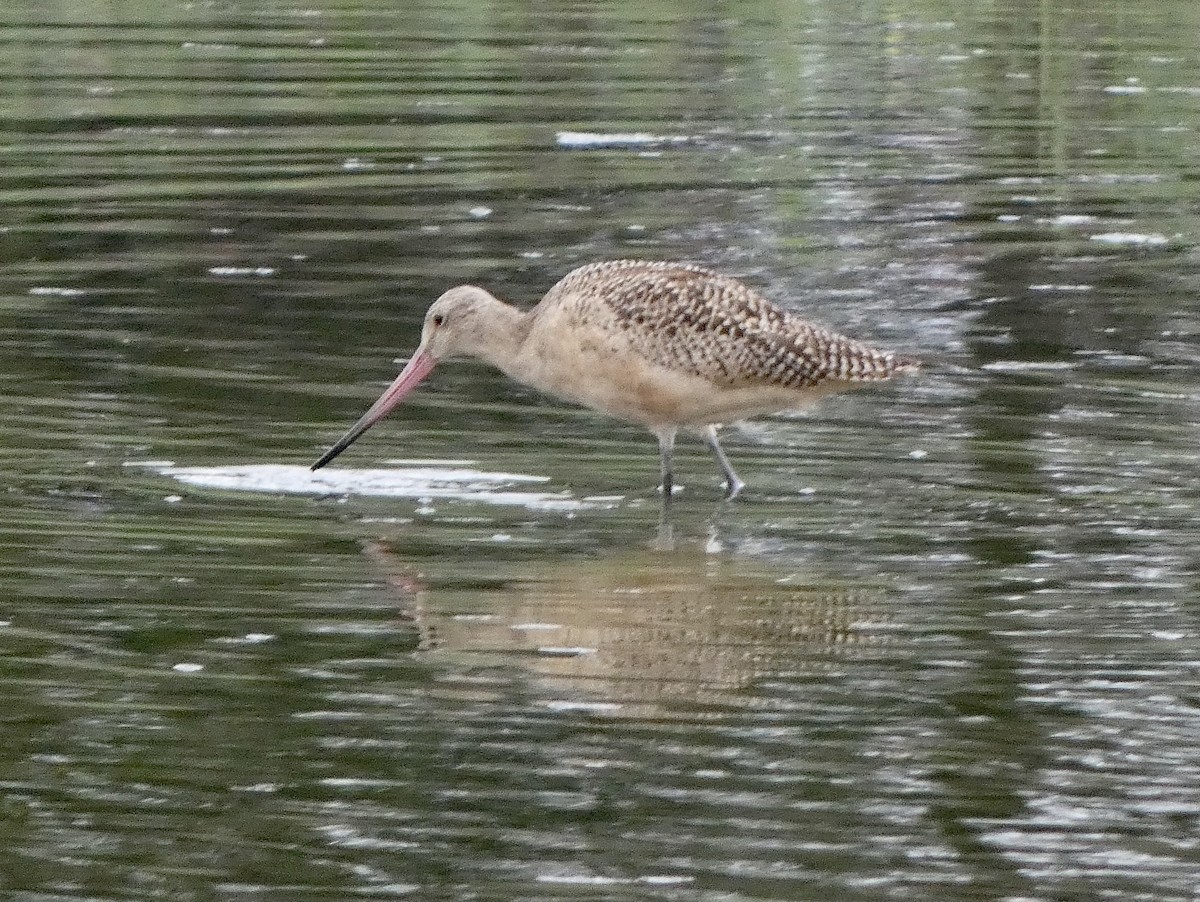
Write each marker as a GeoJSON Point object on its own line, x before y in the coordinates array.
{"type": "Point", "coordinates": [438, 319]}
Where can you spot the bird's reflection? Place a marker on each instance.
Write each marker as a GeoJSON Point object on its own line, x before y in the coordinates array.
{"type": "Point", "coordinates": [664, 539]}
{"type": "Point", "coordinates": [644, 630]}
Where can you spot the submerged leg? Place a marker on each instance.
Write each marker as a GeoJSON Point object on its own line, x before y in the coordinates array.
{"type": "Point", "coordinates": [666, 444]}
{"type": "Point", "coordinates": [733, 482]}
{"type": "Point", "coordinates": [664, 536]}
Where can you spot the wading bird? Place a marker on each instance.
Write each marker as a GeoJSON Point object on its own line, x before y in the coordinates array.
{"type": "Point", "coordinates": [668, 345]}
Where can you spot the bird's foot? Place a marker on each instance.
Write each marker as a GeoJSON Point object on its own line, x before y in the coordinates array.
{"type": "Point", "coordinates": [733, 488]}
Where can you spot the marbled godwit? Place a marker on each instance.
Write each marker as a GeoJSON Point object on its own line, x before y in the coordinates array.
{"type": "Point", "coordinates": [667, 345]}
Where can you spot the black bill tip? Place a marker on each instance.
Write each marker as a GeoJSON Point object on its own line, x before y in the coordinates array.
{"type": "Point", "coordinates": [343, 443]}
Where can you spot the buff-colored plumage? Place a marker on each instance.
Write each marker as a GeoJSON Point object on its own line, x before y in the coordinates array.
{"type": "Point", "coordinates": [667, 345]}
{"type": "Point", "coordinates": [695, 320]}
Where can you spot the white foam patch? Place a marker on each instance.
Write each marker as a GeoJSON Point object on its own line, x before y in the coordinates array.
{"type": "Point", "coordinates": [1027, 366]}
{"type": "Point", "coordinates": [426, 482]}
{"type": "Point", "coordinates": [1070, 219]}
{"type": "Point", "coordinates": [586, 140]}
{"type": "Point", "coordinates": [1136, 239]}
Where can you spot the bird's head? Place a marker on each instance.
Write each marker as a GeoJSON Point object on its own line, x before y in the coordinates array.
{"type": "Point", "coordinates": [459, 324]}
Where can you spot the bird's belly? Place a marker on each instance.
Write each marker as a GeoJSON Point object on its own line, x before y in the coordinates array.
{"type": "Point", "coordinates": [630, 388]}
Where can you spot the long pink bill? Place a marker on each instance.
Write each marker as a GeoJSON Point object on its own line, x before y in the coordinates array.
{"type": "Point", "coordinates": [418, 367]}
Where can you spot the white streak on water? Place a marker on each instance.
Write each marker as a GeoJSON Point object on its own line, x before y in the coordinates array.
{"type": "Point", "coordinates": [593, 140]}
{"type": "Point", "coordinates": [1135, 238]}
{"type": "Point", "coordinates": [425, 482]}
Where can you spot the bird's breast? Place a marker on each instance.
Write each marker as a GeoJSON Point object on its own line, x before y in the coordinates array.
{"type": "Point", "coordinates": [595, 367]}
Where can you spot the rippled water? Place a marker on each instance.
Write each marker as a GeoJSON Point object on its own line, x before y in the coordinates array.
{"type": "Point", "coordinates": [945, 647]}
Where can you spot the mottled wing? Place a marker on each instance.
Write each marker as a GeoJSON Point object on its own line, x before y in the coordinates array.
{"type": "Point", "coordinates": [692, 319]}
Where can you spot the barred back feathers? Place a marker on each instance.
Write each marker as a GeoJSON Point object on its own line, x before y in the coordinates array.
{"type": "Point", "coordinates": [687, 317]}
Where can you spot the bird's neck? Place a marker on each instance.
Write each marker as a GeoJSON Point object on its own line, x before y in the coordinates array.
{"type": "Point", "coordinates": [500, 344]}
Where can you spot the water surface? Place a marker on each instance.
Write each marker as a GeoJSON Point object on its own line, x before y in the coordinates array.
{"type": "Point", "coordinates": [945, 647]}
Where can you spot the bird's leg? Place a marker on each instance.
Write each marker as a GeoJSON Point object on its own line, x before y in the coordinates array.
{"type": "Point", "coordinates": [666, 444]}
{"type": "Point", "coordinates": [664, 536]}
{"type": "Point", "coordinates": [733, 482]}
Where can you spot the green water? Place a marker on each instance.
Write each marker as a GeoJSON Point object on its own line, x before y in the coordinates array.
{"type": "Point", "coordinates": [945, 646]}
